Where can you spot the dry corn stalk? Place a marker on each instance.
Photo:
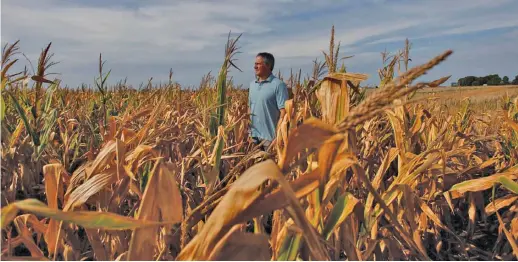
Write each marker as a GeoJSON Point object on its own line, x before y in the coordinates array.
{"type": "Point", "coordinates": [386, 178]}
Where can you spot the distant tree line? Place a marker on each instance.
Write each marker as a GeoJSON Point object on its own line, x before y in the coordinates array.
{"type": "Point", "coordinates": [490, 80]}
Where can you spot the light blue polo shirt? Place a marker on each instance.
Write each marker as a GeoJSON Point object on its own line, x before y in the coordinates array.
{"type": "Point", "coordinates": [265, 99]}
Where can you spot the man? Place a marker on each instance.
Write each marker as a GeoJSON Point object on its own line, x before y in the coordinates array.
{"type": "Point", "coordinates": [266, 98]}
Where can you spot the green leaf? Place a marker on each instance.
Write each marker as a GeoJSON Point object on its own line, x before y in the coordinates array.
{"type": "Point", "coordinates": [290, 248]}
{"type": "Point", "coordinates": [341, 210]}
{"type": "Point", "coordinates": [213, 125]}
{"type": "Point", "coordinates": [509, 184]}
{"type": "Point", "coordinates": [2, 108]}
{"type": "Point", "coordinates": [106, 77]}
{"type": "Point", "coordinates": [86, 219]}
{"type": "Point", "coordinates": [8, 214]}
{"type": "Point", "coordinates": [219, 149]}
{"type": "Point", "coordinates": [48, 97]}
{"type": "Point", "coordinates": [222, 86]}
{"type": "Point", "coordinates": [21, 112]}
{"type": "Point", "coordinates": [50, 120]}
{"type": "Point", "coordinates": [145, 177]}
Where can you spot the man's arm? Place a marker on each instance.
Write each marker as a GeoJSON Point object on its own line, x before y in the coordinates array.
{"type": "Point", "coordinates": [249, 114]}
{"type": "Point", "coordinates": [281, 116]}
{"type": "Point", "coordinates": [282, 97]}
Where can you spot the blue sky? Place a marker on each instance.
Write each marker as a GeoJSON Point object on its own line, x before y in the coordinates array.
{"type": "Point", "coordinates": [143, 39]}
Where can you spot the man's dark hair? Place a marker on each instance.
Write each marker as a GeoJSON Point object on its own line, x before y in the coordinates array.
{"type": "Point", "coordinates": [268, 59]}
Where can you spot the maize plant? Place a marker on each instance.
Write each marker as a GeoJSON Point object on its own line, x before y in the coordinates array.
{"type": "Point", "coordinates": [165, 172]}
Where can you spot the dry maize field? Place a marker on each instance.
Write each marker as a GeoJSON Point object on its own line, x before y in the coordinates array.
{"type": "Point", "coordinates": [166, 173]}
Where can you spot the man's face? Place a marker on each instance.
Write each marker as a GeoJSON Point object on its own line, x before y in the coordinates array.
{"type": "Point", "coordinates": [261, 69]}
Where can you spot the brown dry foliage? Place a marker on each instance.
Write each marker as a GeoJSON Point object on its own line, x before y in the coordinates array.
{"type": "Point", "coordinates": [386, 176]}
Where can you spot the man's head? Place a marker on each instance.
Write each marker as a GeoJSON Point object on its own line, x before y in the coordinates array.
{"type": "Point", "coordinates": [264, 63]}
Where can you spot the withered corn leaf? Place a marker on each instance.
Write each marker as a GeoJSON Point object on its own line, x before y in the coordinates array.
{"type": "Point", "coordinates": [86, 219]}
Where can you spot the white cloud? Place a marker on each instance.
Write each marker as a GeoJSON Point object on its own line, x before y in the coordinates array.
{"type": "Point", "coordinates": [132, 35]}
{"type": "Point", "coordinates": [459, 17]}
{"type": "Point", "coordinates": [459, 26]}
{"type": "Point", "coordinates": [142, 39]}
{"type": "Point", "coordinates": [387, 40]}
{"type": "Point", "coordinates": [304, 45]}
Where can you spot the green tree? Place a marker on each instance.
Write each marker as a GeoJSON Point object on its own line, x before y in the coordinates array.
{"type": "Point", "coordinates": [515, 81]}
{"type": "Point", "coordinates": [505, 80]}
{"type": "Point", "coordinates": [475, 83]}
{"type": "Point", "coordinates": [494, 80]}
{"type": "Point", "coordinates": [484, 80]}
{"type": "Point", "coordinates": [466, 81]}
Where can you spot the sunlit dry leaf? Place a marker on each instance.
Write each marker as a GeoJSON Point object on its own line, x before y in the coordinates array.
{"type": "Point", "coordinates": [500, 203]}
{"type": "Point", "coordinates": [89, 188]}
{"type": "Point", "coordinates": [514, 226]}
{"type": "Point", "coordinates": [297, 141]}
{"type": "Point", "coordinates": [134, 156]}
{"type": "Point", "coordinates": [418, 124]}
{"type": "Point", "coordinates": [326, 156]}
{"type": "Point", "coordinates": [399, 134]}
{"type": "Point", "coordinates": [161, 201]}
{"type": "Point", "coordinates": [53, 190]}
{"type": "Point", "coordinates": [488, 163]}
{"type": "Point", "coordinates": [32, 221]}
{"type": "Point", "coordinates": [511, 123]}
{"type": "Point", "coordinates": [241, 195]}
{"type": "Point", "coordinates": [303, 186]}
{"type": "Point", "coordinates": [78, 177]}
{"type": "Point", "coordinates": [105, 156]}
{"type": "Point", "coordinates": [483, 183]}
{"type": "Point", "coordinates": [127, 135]}
{"type": "Point", "coordinates": [410, 177]}
{"type": "Point", "coordinates": [333, 95]}
{"type": "Point", "coordinates": [411, 210]}
{"type": "Point", "coordinates": [142, 112]}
